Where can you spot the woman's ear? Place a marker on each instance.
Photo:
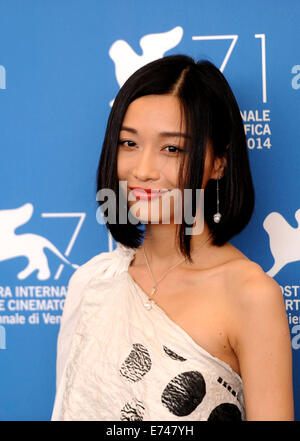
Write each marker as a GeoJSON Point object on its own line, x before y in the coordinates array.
{"type": "Point", "coordinates": [219, 166]}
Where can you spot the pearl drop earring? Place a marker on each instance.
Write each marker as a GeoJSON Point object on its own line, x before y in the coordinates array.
{"type": "Point", "coordinates": [217, 215]}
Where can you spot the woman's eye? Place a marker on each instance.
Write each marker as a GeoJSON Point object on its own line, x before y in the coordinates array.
{"type": "Point", "coordinates": [130, 143]}
{"type": "Point", "coordinates": [173, 149]}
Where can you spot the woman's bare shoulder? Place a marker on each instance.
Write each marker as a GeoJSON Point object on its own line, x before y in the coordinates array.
{"type": "Point", "coordinates": [254, 300]}
{"type": "Point", "coordinates": [249, 285]}
{"type": "Point", "coordinates": [244, 279]}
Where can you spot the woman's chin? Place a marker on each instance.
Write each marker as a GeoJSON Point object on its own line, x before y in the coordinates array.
{"type": "Point", "coordinates": [150, 212]}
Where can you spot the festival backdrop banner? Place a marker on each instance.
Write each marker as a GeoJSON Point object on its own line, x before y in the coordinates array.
{"type": "Point", "coordinates": [62, 63]}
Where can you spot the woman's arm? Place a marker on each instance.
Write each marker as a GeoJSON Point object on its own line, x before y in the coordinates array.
{"type": "Point", "coordinates": [260, 337]}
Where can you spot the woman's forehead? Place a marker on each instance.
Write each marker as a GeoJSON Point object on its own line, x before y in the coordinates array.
{"type": "Point", "coordinates": [162, 112]}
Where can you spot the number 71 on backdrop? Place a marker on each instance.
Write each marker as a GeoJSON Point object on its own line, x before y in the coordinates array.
{"type": "Point", "coordinates": [234, 39]}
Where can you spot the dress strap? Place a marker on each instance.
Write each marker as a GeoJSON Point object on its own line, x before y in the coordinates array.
{"type": "Point", "coordinates": [115, 262]}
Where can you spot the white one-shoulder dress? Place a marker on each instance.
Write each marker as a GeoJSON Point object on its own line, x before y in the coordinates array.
{"type": "Point", "coordinates": [118, 361]}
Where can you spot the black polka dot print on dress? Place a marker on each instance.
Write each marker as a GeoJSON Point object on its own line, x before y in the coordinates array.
{"type": "Point", "coordinates": [137, 364]}
{"type": "Point", "coordinates": [184, 393]}
{"type": "Point", "coordinates": [225, 412]}
{"type": "Point", "coordinates": [133, 411]}
{"type": "Point", "coordinates": [173, 354]}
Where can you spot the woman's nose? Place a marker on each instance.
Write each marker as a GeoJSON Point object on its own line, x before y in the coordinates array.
{"type": "Point", "coordinates": [146, 167]}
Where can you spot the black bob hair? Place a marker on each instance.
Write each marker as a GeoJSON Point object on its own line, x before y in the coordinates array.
{"type": "Point", "coordinates": [211, 113]}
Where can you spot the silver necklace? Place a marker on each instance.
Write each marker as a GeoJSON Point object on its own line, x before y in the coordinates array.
{"type": "Point", "coordinates": [149, 302]}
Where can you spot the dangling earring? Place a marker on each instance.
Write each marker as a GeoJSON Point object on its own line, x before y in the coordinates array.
{"type": "Point", "coordinates": [217, 215]}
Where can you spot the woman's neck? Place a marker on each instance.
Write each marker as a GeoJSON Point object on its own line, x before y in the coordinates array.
{"type": "Point", "coordinates": [161, 243]}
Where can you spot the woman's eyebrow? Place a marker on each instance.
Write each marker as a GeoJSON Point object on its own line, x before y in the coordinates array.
{"type": "Point", "coordinates": [177, 134]}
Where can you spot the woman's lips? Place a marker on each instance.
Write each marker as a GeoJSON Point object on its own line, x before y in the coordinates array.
{"type": "Point", "coordinates": [146, 193]}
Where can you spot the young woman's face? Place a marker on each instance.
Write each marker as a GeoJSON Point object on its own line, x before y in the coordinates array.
{"type": "Point", "coordinates": [151, 142]}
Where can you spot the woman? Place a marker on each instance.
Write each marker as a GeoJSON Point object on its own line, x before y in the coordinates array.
{"type": "Point", "coordinates": [176, 323]}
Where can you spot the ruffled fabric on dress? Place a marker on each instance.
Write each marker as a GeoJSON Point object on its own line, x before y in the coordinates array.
{"type": "Point", "coordinates": [119, 361]}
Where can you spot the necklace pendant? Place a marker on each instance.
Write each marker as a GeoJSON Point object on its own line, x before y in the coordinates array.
{"type": "Point", "coordinates": [148, 305]}
{"type": "Point", "coordinates": [149, 302]}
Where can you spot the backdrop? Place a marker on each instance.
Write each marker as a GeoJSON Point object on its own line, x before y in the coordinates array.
{"type": "Point", "coordinates": [62, 63]}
